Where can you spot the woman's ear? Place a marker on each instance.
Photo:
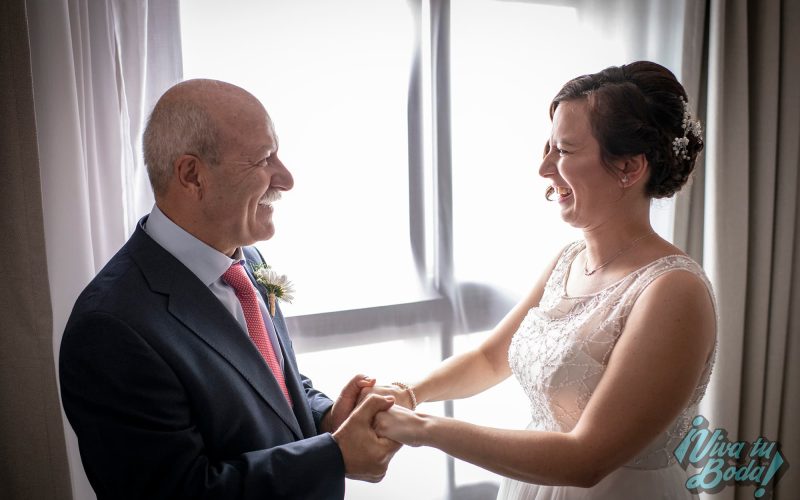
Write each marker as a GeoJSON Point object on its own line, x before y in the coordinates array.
{"type": "Point", "coordinates": [632, 170]}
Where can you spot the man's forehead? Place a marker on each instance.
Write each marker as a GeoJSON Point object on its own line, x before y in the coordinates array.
{"type": "Point", "coordinates": [269, 143]}
{"type": "Point", "coordinates": [246, 120]}
{"type": "Point", "coordinates": [253, 145]}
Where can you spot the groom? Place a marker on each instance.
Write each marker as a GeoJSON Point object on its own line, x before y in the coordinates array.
{"type": "Point", "coordinates": [177, 380]}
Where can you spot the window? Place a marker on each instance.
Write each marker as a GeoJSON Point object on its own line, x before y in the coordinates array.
{"type": "Point", "coordinates": [414, 130]}
{"type": "Point", "coordinates": [334, 78]}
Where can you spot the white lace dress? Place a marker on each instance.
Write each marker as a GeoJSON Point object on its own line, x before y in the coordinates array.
{"type": "Point", "coordinates": [559, 354]}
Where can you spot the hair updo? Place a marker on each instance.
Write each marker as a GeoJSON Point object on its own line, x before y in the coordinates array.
{"type": "Point", "coordinates": [639, 108]}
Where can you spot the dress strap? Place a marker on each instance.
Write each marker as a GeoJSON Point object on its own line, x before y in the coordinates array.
{"type": "Point", "coordinates": [555, 282]}
{"type": "Point", "coordinates": [642, 278]}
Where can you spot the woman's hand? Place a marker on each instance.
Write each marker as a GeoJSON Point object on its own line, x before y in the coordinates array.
{"type": "Point", "coordinates": [402, 425]}
{"type": "Point", "coordinates": [401, 396]}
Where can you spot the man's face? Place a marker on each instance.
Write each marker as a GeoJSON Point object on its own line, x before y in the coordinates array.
{"type": "Point", "coordinates": [237, 201]}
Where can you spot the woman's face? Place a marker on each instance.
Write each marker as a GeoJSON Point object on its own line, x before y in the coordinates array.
{"type": "Point", "coordinates": [586, 191]}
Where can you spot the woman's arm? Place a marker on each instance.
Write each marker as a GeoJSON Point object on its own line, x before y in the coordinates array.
{"type": "Point", "coordinates": [650, 378]}
{"type": "Point", "coordinates": [474, 371]}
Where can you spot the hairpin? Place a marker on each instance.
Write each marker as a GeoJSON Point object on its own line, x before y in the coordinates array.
{"type": "Point", "coordinates": [680, 145]}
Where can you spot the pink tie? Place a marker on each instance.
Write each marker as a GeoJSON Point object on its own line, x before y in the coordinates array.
{"type": "Point", "coordinates": [237, 278]}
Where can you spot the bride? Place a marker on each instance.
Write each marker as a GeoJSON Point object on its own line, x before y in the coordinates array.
{"type": "Point", "coordinates": [614, 344]}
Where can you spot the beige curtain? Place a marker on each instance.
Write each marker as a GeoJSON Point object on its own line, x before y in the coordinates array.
{"type": "Point", "coordinates": [33, 459]}
{"type": "Point", "coordinates": [77, 79]}
{"type": "Point", "coordinates": [742, 218]}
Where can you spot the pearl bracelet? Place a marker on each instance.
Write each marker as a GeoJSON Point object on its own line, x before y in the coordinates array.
{"type": "Point", "coordinates": [406, 387]}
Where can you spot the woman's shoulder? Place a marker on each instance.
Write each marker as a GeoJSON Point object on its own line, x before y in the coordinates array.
{"type": "Point", "coordinates": [682, 293]}
{"type": "Point", "coordinates": [670, 279]}
{"type": "Point", "coordinates": [680, 270]}
{"type": "Point", "coordinates": [675, 286]}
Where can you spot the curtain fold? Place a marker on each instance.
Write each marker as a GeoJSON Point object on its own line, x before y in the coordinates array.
{"type": "Point", "coordinates": [149, 55]}
{"type": "Point", "coordinates": [751, 227]}
{"type": "Point", "coordinates": [688, 215]}
{"type": "Point", "coordinates": [92, 90]}
{"type": "Point", "coordinates": [32, 451]}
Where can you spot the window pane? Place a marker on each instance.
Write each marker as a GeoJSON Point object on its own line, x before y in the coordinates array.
{"type": "Point", "coordinates": [334, 78]}
{"type": "Point", "coordinates": [418, 473]}
{"type": "Point", "coordinates": [508, 60]}
{"type": "Point", "coordinates": [504, 73]}
{"type": "Point", "coordinates": [504, 406]}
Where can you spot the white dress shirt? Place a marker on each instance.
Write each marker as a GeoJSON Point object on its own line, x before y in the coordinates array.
{"type": "Point", "coordinates": [208, 264]}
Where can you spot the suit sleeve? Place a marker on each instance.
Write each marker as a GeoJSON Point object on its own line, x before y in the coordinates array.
{"type": "Point", "coordinates": [138, 437]}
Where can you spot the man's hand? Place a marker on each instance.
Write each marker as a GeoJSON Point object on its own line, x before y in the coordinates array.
{"type": "Point", "coordinates": [347, 401]}
{"type": "Point", "coordinates": [366, 456]}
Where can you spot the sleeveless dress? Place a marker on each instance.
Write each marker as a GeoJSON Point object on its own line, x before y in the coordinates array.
{"type": "Point", "coordinates": [559, 354]}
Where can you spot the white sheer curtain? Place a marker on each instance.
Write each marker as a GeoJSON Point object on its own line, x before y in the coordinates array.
{"type": "Point", "coordinates": [97, 66]}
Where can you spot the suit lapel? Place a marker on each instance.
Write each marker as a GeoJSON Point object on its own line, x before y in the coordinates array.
{"type": "Point", "coordinates": [193, 304]}
{"type": "Point", "coordinates": [291, 373]}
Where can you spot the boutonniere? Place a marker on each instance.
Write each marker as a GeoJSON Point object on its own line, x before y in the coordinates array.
{"type": "Point", "coordinates": [278, 285]}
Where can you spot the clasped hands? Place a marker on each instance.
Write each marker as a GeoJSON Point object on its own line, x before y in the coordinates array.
{"type": "Point", "coordinates": [370, 423]}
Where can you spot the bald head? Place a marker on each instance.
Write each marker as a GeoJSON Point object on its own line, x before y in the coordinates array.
{"type": "Point", "coordinates": [198, 117]}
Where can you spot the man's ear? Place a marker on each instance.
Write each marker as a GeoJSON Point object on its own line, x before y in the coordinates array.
{"type": "Point", "coordinates": [189, 174]}
{"type": "Point", "coordinates": [632, 169]}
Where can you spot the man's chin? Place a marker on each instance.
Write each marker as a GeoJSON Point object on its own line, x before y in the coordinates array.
{"type": "Point", "coordinates": [262, 225]}
{"type": "Point", "coordinates": [265, 232]}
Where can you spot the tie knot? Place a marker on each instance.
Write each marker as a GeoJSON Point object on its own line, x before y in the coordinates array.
{"type": "Point", "coordinates": [237, 278]}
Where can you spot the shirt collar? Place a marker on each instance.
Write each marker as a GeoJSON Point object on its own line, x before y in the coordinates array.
{"type": "Point", "coordinates": [207, 263]}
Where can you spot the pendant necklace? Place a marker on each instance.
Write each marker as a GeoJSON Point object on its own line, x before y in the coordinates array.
{"type": "Point", "coordinates": [587, 272]}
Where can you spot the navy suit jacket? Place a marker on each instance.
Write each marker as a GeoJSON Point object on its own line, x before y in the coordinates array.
{"type": "Point", "coordinates": [170, 399]}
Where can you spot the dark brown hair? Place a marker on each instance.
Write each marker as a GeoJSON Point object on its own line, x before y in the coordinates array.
{"type": "Point", "coordinates": [638, 108]}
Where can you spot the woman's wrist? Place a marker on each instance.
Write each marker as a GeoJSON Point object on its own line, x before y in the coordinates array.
{"type": "Point", "coordinates": [410, 392]}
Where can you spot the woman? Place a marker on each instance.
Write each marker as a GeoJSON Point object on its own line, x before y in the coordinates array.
{"type": "Point", "coordinates": [615, 342]}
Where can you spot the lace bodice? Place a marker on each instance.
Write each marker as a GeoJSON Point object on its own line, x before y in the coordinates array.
{"type": "Point", "coordinates": [562, 347]}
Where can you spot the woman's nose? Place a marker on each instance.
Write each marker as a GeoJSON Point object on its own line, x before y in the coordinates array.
{"type": "Point", "coordinates": [547, 166]}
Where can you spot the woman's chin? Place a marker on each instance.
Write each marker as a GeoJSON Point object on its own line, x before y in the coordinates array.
{"type": "Point", "coordinates": [568, 215]}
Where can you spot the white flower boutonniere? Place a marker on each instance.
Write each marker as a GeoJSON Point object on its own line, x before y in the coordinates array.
{"type": "Point", "coordinates": [278, 285]}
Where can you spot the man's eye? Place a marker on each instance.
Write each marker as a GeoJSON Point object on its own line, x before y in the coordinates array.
{"type": "Point", "coordinates": [561, 152]}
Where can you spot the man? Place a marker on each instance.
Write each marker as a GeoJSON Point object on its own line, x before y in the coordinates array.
{"type": "Point", "coordinates": [176, 378]}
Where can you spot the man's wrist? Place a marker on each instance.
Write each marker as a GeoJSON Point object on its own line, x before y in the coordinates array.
{"type": "Point", "coordinates": [326, 423]}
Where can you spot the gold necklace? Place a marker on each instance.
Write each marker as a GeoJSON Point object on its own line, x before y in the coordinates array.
{"type": "Point", "coordinates": [586, 271]}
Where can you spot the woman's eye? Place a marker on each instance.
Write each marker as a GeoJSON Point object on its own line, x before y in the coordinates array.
{"type": "Point", "coordinates": [561, 152]}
